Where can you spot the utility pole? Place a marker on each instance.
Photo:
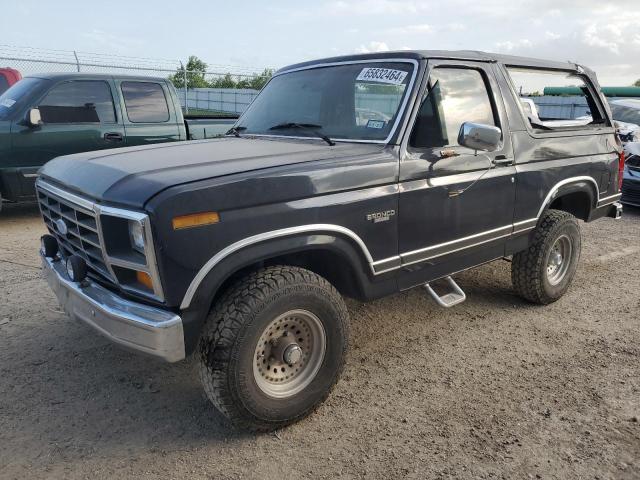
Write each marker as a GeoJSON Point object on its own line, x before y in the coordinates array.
{"type": "Point", "coordinates": [77, 61]}
{"type": "Point", "coordinates": [186, 99]}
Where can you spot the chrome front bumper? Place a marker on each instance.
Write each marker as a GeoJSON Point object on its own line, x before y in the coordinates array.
{"type": "Point", "coordinates": [133, 325]}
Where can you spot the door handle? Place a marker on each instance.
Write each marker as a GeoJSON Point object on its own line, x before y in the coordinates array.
{"type": "Point", "coordinates": [502, 160]}
{"type": "Point", "coordinates": [113, 136]}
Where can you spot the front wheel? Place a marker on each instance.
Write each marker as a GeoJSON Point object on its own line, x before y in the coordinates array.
{"type": "Point", "coordinates": [543, 272]}
{"type": "Point", "coordinates": [273, 347]}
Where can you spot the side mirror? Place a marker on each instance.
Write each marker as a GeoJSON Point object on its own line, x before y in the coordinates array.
{"type": "Point", "coordinates": [34, 118]}
{"type": "Point", "coordinates": [478, 136]}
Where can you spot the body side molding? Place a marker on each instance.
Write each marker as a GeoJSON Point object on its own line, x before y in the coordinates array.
{"type": "Point", "coordinates": [609, 200]}
{"type": "Point", "coordinates": [390, 263]}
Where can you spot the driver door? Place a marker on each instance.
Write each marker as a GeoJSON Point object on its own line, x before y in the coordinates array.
{"type": "Point", "coordinates": [78, 116]}
{"type": "Point", "coordinates": [456, 205]}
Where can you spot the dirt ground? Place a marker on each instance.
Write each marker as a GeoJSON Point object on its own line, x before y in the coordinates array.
{"type": "Point", "coordinates": [492, 388]}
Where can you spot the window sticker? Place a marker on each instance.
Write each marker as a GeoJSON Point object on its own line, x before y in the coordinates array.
{"type": "Point", "coordinates": [375, 124]}
{"type": "Point", "coordinates": [382, 75]}
{"type": "Point", "coordinates": [8, 102]}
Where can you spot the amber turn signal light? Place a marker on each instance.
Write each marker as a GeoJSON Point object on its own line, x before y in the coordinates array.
{"type": "Point", "coordinates": [144, 279]}
{"type": "Point", "coordinates": [195, 220]}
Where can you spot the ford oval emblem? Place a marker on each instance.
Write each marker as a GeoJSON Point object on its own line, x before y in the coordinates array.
{"type": "Point", "coordinates": [61, 227]}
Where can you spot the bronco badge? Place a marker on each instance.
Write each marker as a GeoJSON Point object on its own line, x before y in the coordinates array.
{"type": "Point", "coordinates": [378, 217]}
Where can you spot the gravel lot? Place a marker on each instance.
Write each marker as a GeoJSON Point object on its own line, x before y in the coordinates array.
{"type": "Point", "coordinates": [493, 388]}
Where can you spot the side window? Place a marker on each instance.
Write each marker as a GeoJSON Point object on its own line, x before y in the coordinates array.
{"type": "Point", "coordinates": [456, 95]}
{"type": "Point", "coordinates": [552, 99]}
{"type": "Point", "coordinates": [78, 101]}
{"type": "Point", "coordinates": [145, 102]}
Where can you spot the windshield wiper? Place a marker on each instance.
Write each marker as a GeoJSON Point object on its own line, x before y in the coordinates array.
{"type": "Point", "coordinates": [311, 127]}
{"type": "Point", "coordinates": [235, 131]}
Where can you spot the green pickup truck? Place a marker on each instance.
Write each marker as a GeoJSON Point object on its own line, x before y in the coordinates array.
{"type": "Point", "coordinates": [45, 116]}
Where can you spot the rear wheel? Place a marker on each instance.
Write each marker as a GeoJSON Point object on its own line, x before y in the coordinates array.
{"type": "Point", "coordinates": [543, 272]}
{"type": "Point", "coordinates": [273, 348]}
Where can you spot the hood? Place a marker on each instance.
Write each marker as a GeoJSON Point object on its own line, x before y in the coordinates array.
{"type": "Point", "coordinates": [632, 149]}
{"type": "Point", "coordinates": [625, 126]}
{"type": "Point", "coordinates": [628, 132]}
{"type": "Point", "coordinates": [131, 176]}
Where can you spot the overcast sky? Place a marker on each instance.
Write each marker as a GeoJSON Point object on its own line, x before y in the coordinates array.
{"type": "Point", "coordinates": [604, 35]}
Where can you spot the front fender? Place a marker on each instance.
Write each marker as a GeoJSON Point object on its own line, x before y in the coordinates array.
{"type": "Point", "coordinates": [201, 295]}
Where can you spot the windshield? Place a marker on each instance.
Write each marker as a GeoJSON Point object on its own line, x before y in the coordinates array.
{"type": "Point", "coordinates": [350, 101]}
{"type": "Point", "coordinates": [625, 114]}
{"type": "Point", "coordinates": [12, 99]}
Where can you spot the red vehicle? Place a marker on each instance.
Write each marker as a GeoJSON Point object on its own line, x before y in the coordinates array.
{"type": "Point", "coordinates": [8, 76]}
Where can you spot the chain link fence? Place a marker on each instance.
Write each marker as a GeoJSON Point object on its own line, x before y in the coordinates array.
{"type": "Point", "coordinates": [228, 90]}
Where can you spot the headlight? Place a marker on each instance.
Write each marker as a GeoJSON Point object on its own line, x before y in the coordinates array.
{"type": "Point", "coordinates": [136, 235]}
{"type": "Point", "coordinates": [127, 245]}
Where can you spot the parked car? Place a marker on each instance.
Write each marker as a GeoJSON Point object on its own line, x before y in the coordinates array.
{"type": "Point", "coordinates": [625, 110]}
{"type": "Point", "coordinates": [8, 76]}
{"type": "Point", "coordinates": [626, 113]}
{"type": "Point", "coordinates": [241, 249]}
{"type": "Point", "coordinates": [628, 132]}
{"type": "Point", "coordinates": [631, 181]}
{"type": "Point", "coordinates": [45, 116]}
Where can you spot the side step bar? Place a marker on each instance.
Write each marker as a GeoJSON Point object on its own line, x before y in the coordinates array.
{"type": "Point", "coordinates": [450, 299]}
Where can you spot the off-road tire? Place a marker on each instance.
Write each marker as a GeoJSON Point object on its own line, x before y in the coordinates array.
{"type": "Point", "coordinates": [226, 349]}
{"type": "Point", "coordinates": [529, 267]}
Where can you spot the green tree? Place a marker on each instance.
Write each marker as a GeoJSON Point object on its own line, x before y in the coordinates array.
{"type": "Point", "coordinates": [260, 80]}
{"type": "Point", "coordinates": [637, 84]}
{"type": "Point", "coordinates": [223, 82]}
{"type": "Point", "coordinates": [195, 75]}
{"type": "Point", "coordinates": [196, 69]}
{"type": "Point", "coordinates": [244, 83]}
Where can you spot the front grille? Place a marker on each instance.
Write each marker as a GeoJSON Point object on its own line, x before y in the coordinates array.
{"type": "Point", "coordinates": [82, 237]}
{"type": "Point", "coordinates": [630, 192]}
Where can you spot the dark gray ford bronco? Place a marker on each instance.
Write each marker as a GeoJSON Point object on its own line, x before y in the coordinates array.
{"type": "Point", "coordinates": [356, 176]}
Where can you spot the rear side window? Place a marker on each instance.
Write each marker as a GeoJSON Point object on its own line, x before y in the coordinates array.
{"type": "Point", "coordinates": [145, 102]}
{"type": "Point", "coordinates": [78, 101]}
{"type": "Point", "coordinates": [555, 99]}
{"type": "Point", "coordinates": [456, 95]}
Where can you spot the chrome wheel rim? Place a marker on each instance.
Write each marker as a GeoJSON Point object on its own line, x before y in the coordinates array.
{"type": "Point", "coordinates": [559, 259]}
{"type": "Point", "coordinates": [289, 353]}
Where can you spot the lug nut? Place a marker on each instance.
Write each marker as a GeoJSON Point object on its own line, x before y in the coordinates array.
{"type": "Point", "coordinates": [292, 354]}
